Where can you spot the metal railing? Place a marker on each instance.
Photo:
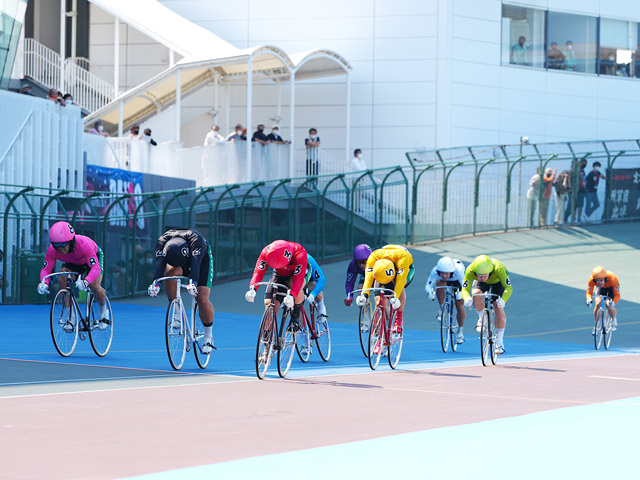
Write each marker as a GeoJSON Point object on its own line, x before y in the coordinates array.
{"type": "Point", "coordinates": [43, 65]}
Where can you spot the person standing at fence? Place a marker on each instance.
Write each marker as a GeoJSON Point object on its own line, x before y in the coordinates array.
{"type": "Point", "coordinates": [237, 135]}
{"type": "Point", "coordinates": [312, 145]}
{"type": "Point", "coordinates": [135, 132]}
{"type": "Point", "coordinates": [213, 137]}
{"type": "Point", "coordinates": [259, 136]}
{"type": "Point", "coordinates": [98, 129]}
{"type": "Point", "coordinates": [274, 136]}
{"type": "Point", "coordinates": [549, 177]}
{"type": "Point", "coordinates": [582, 191]}
{"type": "Point", "coordinates": [562, 187]}
{"type": "Point", "coordinates": [532, 197]}
{"type": "Point", "coordinates": [591, 186]}
{"type": "Point", "coordinates": [147, 137]}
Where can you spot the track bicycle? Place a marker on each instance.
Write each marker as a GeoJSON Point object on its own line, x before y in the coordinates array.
{"type": "Point", "coordinates": [68, 324]}
{"type": "Point", "coordinates": [488, 333]}
{"type": "Point", "coordinates": [180, 332]}
{"type": "Point", "coordinates": [603, 326]}
{"type": "Point", "coordinates": [365, 313]}
{"type": "Point", "coordinates": [272, 339]}
{"type": "Point", "coordinates": [313, 327]}
{"type": "Point", "coordinates": [448, 322]}
{"type": "Point", "coordinates": [382, 338]}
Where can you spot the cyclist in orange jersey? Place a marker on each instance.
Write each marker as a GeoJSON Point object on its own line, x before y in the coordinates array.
{"type": "Point", "coordinates": [603, 282]}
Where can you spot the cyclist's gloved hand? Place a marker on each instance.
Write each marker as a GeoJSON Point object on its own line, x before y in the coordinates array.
{"type": "Point", "coordinates": [500, 303]}
{"type": "Point", "coordinates": [347, 301]}
{"type": "Point", "coordinates": [82, 284]}
{"type": "Point", "coordinates": [468, 302]}
{"type": "Point", "coordinates": [361, 300]}
{"type": "Point", "coordinates": [43, 288]}
{"type": "Point", "coordinates": [250, 295]}
{"type": "Point", "coordinates": [288, 301]}
{"type": "Point", "coordinates": [395, 303]}
{"type": "Point", "coordinates": [311, 298]}
{"type": "Point", "coordinates": [153, 290]}
{"type": "Point", "coordinates": [432, 294]}
{"type": "Point", "coordinates": [589, 302]}
{"type": "Point", "coordinates": [192, 288]}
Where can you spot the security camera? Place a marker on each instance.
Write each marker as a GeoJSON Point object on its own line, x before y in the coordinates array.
{"type": "Point", "coordinates": [524, 140]}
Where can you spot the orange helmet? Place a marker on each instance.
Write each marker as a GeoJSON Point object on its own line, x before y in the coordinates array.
{"type": "Point", "coordinates": [598, 273]}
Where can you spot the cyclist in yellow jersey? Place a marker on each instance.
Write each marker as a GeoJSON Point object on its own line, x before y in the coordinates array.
{"type": "Point", "coordinates": [389, 267]}
{"type": "Point", "coordinates": [488, 275]}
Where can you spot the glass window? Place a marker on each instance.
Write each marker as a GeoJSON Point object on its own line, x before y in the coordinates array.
{"type": "Point", "coordinates": [11, 14]}
{"type": "Point", "coordinates": [523, 36]}
{"type": "Point", "coordinates": [618, 47]}
{"type": "Point", "coordinates": [572, 42]}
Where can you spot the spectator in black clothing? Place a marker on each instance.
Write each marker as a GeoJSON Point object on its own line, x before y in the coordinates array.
{"type": "Point", "coordinates": [259, 136]}
{"type": "Point", "coordinates": [312, 144]}
{"type": "Point", "coordinates": [591, 186]}
{"type": "Point", "coordinates": [274, 136]}
{"type": "Point", "coordinates": [147, 137]}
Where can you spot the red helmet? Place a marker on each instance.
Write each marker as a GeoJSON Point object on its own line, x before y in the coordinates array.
{"type": "Point", "coordinates": [279, 253]}
{"type": "Point", "coordinates": [61, 232]}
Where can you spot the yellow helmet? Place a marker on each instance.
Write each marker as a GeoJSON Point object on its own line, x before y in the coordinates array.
{"type": "Point", "coordinates": [384, 271]}
{"type": "Point", "coordinates": [598, 272]}
{"type": "Point", "coordinates": [483, 265]}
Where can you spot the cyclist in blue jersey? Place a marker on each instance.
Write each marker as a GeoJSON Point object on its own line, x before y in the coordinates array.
{"type": "Point", "coordinates": [315, 283]}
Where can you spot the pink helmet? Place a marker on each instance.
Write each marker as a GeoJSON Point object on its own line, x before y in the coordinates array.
{"type": "Point", "coordinates": [279, 253]}
{"type": "Point", "coordinates": [61, 232]}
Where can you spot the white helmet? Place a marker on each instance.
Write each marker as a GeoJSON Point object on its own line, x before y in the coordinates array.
{"type": "Point", "coordinates": [445, 265]}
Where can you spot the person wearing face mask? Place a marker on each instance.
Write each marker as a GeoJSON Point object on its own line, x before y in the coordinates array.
{"type": "Point", "coordinates": [607, 64]}
{"type": "Point", "coordinates": [259, 136]}
{"type": "Point", "coordinates": [357, 162]}
{"type": "Point", "coordinates": [569, 53]}
{"type": "Point", "coordinates": [147, 137]}
{"type": "Point", "coordinates": [313, 145]}
{"type": "Point", "coordinates": [213, 137]}
{"type": "Point", "coordinates": [135, 132]}
{"type": "Point", "coordinates": [98, 129]}
{"type": "Point", "coordinates": [236, 135]}
{"type": "Point", "coordinates": [68, 99]}
{"type": "Point", "coordinates": [274, 136]}
{"type": "Point", "coordinates": [591, 184]}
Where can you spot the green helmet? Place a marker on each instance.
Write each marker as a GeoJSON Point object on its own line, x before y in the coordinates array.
{"type": "Point", "coordinates": [483, 264]}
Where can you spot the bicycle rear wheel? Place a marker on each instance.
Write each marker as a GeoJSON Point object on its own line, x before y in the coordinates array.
{"type": "Point", "coordinates": [376, 338]}
{"type": "Point", "coordinates": [607, 332]}
{"type": "Point", "coordinates": [303, 339]}
{"type": "Point", "coordinates": [323, 336]}
{"type": "Point", "coordinates": [100, 329]}
{"type": "Point", "coordinates": [597, 339]}
{"type": "Point", "coordinates": [395, 343]}
{"type": "Point", "coordinates": [64, 323]}
{"type": "Point", "coordinates": [176, 334]}
{"type": "Point", "coordinates": [493, 337]}
{"type": "Point", "coordinates": [445, 326]}
{"type": "Point", "coordinates": [287, 346]}
{"type": "Point", "coordinates": [202, 359]}
{"type": "Point", "coordinates": [266, 341]}
{"type": "Point", "coordinates": [364, 322]}
{"type": "Point", "coordinates": [484, 338]}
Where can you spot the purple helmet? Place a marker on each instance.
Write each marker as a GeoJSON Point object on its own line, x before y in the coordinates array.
{"type": "Point", "coordinates": [361, 252]}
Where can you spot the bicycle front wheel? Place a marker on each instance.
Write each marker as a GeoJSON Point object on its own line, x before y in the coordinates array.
{"type": "Point", "coordinates": [202, 359]}
{"type": "Point", "coordinates": [493, 338]}
{"type": "Point", "coordinates": [445, 326]}
{"type": "Point", "coordinates": [597, 339]}
{"type": "Point", "coordinates": [453, 330]}
{"type": "Point", "coordinates": [607, 332]}
{"type": "Point", "coordinates": [100, 326]}
{"type": "Point", "coordinates": [175, 334]}
{"type": "Point", "coordinates": [364, 322]}
{"type": "Point", "coordinates": [395, 343]}
{"type": "Point", "coordinates": [64, 323]}
{"type": "Point", "coordinates": [484, 338]}
{"type": "Point", "coordinates": [266, 341]}
{"type": "Point", "coordinates": [287, 346]}
{"type": "Point", "coordinates": [303, 339]}
{"type": "Point", "coordinates": [323, 337]}
{"type": "Point", "coordinates": [376, 338]}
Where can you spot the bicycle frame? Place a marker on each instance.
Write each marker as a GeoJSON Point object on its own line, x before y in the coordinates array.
{"type": "Point", "coordinates": [274, 292]}
{"type": "Point", "coordinates": [365, 312]}
{"type": "Point", "coordinates": [603, 327]}
{"type": "Point", "coordinates": [74, 301]}
{"type": "Point", "coordinates": [490, 335]}
{"type": "Point", "coordinates": [449, 322]}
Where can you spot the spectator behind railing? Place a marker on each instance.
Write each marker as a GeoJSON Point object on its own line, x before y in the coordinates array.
{"type": "Point", "coordinates": [357, 162]}
{"type": "Point", "coordinates": [274, 136]}
{"type": "Point", "coordinates": [147, 137]}
{"type": "Point", "coordinates": [237, 134]}
{"type": "Point", "coordinates": [68, 99]}
{"type": "Point", "coordinates": [135, 132]}
{"type": "Point", "coordinates": [213, 137]}
{"type": "Point", "coordinates": [259, 136]}
{"type": "Point", "coordinates": [98, 129]}
{"type": "Point", "coordinates": [26, 90]}
{"type": "Point", "coordinates": [56, 96]}
{"type": "Point", "coordinates": [312, 145]}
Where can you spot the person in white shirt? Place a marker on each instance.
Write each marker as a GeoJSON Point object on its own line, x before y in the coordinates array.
{"type": "Point", "coordinates": [213, 137]}
{"type": "Point", "coordinates": [448, 272]}
{"type": "Point", "coordinates": [357, 162]}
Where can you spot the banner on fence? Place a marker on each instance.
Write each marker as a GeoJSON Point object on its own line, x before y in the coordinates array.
{"type": "Point", "coordinates": [624, 198]}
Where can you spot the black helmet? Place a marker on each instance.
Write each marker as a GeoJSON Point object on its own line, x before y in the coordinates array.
{"type": "Point", "coordinates": [176, 252]}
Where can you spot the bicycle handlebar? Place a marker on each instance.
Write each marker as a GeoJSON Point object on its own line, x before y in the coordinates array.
{"type": "Point", "coordinates": [56, 274]}
{"type": "Point", "coordinates": [448, 286]}
{"type": "Point", "coordinates": [176, 277]}
{"type": "Point", "coordinates": [485, 294]}
{"type": "Point", "coordinates": [363, 290]}
{"type": "Point", "coordinates": [271, 283]}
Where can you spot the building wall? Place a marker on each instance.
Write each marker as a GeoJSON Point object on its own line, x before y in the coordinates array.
{"type": "Point", "coordinates": [426, 74]}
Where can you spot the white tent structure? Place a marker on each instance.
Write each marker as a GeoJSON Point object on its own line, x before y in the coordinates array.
{"type": "Point", "coordinates": [207, 58]}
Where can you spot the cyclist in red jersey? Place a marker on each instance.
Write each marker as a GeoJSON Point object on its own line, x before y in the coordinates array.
{"type": "Point", "coordinates": [289, 263]}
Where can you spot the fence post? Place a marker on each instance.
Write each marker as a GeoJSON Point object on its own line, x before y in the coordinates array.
{"type": "Point", "coordinates": [4, 240]}
{"type": "Point", "coordinates": [607, 190]}
{"type": "Point", "coordinates": [444, 197]}
{"type": "Point", "coordinates": [44, 210]}
{"type": "Point", "coordinates": [340, 177]}
{"type": "Point", "coordinates": [150, 198]}
{"type": "Point", "coordinates": [476, 192]}
{"type": "Point", "coordinates": [381, 208]}
{"type": "Point", "coordinates": [353, 205]}
{"type": "Point", "coordinates": [414, 201]}
{"type": "Point", "coordinates": [508, 195]}
{"type": "Point", "coordinates": [313, 180]}
{"type": "Point", "coordinates": [280, 183]}
{"type": "Point", "coordinates": [256, 187]}
{"type": "Point", "coordinates": [215, 235]}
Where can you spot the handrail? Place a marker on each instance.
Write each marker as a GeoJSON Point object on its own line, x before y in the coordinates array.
{"type": "Point", "coordinates": [15, 137]}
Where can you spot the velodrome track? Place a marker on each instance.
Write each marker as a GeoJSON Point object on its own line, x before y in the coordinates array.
{"type": "Point", "coordinates": [552, 406]}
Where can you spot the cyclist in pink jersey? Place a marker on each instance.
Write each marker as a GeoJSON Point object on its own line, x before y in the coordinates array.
{"type": "Point", "coordinates": [77, 254]}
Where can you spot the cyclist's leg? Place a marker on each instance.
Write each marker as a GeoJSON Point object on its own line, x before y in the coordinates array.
{"type": "Point", "coordinates": [461, 314]}
{"type": "Point", "coordinates": [98, 291]}
{"type": "Point", "coordinates": [205, 307]}
{"type": "Point", "coordinates": [440, 292]}
{"type": "Point", "coordinates": [171, 286]}
{"type": "Point", "coordinates": [478, 303]}
{"type": "Point", "coordinates": [501, 316]}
